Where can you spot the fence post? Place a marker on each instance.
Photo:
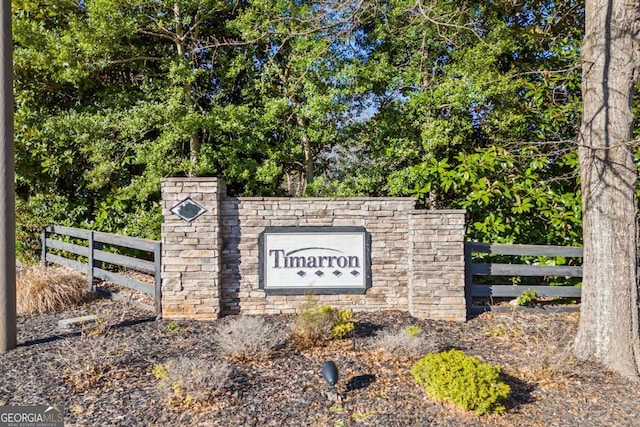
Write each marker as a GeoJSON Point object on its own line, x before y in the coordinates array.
{"type": "Point", "coordinates": [43, 257]}
{"type": "Point", "coordinates": [468, 278]}
{"type": "Point", "coordinates": [157, 260]}
{"type": "Point", "coordinates": [90, 262]}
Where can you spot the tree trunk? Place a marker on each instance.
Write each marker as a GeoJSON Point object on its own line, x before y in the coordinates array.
{"type": "Point", "coordinates": [194, 138]}
{"type": "Point", "coordinates": [307, 147]}
{"type": "Point", "coordinates": [309, 160]}
{"type": "Point", "coordinates": [609, 331]}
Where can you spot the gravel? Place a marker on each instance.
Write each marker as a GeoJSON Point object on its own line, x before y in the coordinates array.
{"type": "Point", "coordinates": [102, 373]}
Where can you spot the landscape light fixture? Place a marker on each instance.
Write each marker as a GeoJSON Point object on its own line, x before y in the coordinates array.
{"type": "Point", "coordinates": [330, 373]}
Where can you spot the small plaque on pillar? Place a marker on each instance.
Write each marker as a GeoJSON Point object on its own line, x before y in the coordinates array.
{"type": "Point", "coordinates": [188, 210]}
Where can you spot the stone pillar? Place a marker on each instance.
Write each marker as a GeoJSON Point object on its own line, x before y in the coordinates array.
{"type": "Point", "coordinates": [436, 265]}
{"type": "Point", "coordinates": [191, 249]}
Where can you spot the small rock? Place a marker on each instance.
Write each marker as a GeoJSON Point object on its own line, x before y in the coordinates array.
{"type": "Point", "coordinates": [74, 321]}
{"type": "Point", "coordinates": [333, 396]}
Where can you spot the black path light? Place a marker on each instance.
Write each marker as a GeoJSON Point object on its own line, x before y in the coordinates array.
{"type": "Point", "coordinates": [330, 374]}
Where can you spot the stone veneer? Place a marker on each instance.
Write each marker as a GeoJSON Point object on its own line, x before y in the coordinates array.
{"type": "Point", "coordinates": [210, 265]}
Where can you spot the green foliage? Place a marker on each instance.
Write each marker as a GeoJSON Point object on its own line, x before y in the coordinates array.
{"type": "Point", "coordinates": [498, 330]}
{"type": "Point", "coordinates": [112, 98]}
{"type": "Point", "coordinates": [362, 416]}
{"type": "Point", "coordinates": [159, 371]}
{"type": "Point", "coordinates": [337, 409]}
{"type": "Point", "coordinates": [471, 106]}
{"type": "Point", "coordinates": [528, 297]}
{"type": "Point", "coordinates": [173, 327]}
{"type": "Point", "coordinates": [501, 190]}
{"type": "Point", "coordinates": [463, 380]}
{"type": "Point", "coordinates": [343, 327]}
{"type": "Point", "coordinates": [488, 126]}
{"type": "Point", "coordinates": [413, 331]}
{"type": "Point", "coordinates": [33, 215]}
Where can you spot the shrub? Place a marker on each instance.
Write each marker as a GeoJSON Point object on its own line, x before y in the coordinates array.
{"type": "Point", "coordinates": [545, 342]}
{"type": "Point", "coordinates": [317, 325]}
{"type": "Point", "coordinates": [173, 327]}
{"type": "Point", "coordinates": [313, 325]}
{"type": "Point", "coordinates": [528, 297]}
{"type": "Point", "coordinates": [33, 214]}
{"type": "Point", "coordinates": [408, 343]}
{"type": "Point", "coordinates": [90, 358]}
{"type": "Point", "coordinates": [413, 330]}
{"type": "Point", "coordinates": [343, 326]}
{"type": "Point", "coordinates": [41, 289]}
{"type": "Point", "coordinates": [245, 338]}
{"type": "Point", "coordinates": [463, 380]}
{"type": "Point", "coordinates": [188, 381]}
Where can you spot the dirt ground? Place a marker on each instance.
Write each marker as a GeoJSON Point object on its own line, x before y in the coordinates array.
{"type": "Point", "coordinates": [103, 375]}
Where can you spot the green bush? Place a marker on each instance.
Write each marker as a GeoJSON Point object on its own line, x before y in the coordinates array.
{"type": "Point", "coordinates": [317, 325]}
{"type": "Point", "coordinates": [463, 380]}
{"type": "Point", "coordinates": [413, 331]}
{"type": "Point", "coordinates": [528, 297]}
{"type": "Point", "coordinates": [33, 215]}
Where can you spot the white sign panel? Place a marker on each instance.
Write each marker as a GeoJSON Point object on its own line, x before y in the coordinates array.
{"type": "Point", "coordinates": [294, 260]}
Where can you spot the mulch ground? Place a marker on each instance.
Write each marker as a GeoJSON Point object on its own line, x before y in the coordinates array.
{"type": "Point", "coordinates": [102, 376]}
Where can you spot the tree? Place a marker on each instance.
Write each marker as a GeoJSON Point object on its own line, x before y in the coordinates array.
{"type": "Point", "coordinates": [609, 328]}
{"type": "Point", "coordinates": [111, 95]}
{"type": "Point", "coordinates": [453, 85]}
{"type": "Point", "coordinates": [301, 82]}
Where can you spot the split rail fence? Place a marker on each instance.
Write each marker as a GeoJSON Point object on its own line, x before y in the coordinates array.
{"type": "Point", "coordinates": [84, 251]}
{"type": "Point", "coordinates": [512, 270]}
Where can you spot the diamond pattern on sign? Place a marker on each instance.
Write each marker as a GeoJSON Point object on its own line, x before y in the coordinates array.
{"type": "Point", "coordinates": [319, 273]}
{"type": "Point", "coordinates": [188, 210]}
{"type": "Point", "coordinates": [301, 273]}
{"type": "Point", "coordinates": [337, 273]}
{"type": "Point", "coordinates": [355, 273]}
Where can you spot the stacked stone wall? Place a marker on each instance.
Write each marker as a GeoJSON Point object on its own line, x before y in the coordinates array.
{"type": "Point", "coordinates": [190, 269]}
{"type": "Point", "coordinates": [436, 256]}
{"type": "Point", "coordinates": [243, 219]}
{"type": "Point", "coordinates": [211, 264]}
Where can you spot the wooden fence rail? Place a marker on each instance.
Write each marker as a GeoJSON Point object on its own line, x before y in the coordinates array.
{"type": "Point", "coordinates": [517, 270]}
{"type": "Point", "coordinates": [91, 246]}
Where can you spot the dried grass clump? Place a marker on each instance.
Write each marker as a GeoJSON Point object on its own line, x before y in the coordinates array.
{"type": "Point", "coordinates": [89, 359]}
{"type": "Point", "coordinates": [41, 289]}
{"type": "Point", "coordinates": [405, 344]}
{"type": "Point", "coordinates": [247, 338]}
{"type": "Point", "coordinates": [188, 382]}
{"type": "Point", "coordinates": [548, 353]}
{"type": "Point", "coordinates": [544, 346]}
